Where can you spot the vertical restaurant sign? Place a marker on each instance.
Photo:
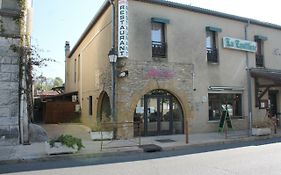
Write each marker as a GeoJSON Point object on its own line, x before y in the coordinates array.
{"type": "Point", "coordinates": [123, 32]}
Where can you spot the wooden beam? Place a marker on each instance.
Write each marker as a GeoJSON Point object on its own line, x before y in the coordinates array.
{"type": "Point", "coordinates": [262, 94]}
{"type": "Point", "coordinates": [271, 85]}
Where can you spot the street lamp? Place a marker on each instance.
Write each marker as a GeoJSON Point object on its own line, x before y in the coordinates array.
{"type": "Point", "coordinates": [112, 55]}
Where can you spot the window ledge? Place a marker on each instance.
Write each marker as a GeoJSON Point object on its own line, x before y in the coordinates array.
{"type": "Point", "coordinates": [160, 59]}
{"type": "Point", "coordinates": [238, 118]}
{"type": "Point", "coordinates": [217, 121]}
{"type": "Point", "coordinates": [214, 63]}
{"type": "Point", "coordinates": [213, 121]}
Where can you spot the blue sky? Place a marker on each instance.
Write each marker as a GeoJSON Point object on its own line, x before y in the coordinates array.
{"type": "Point", "coordinates": [57, 21]}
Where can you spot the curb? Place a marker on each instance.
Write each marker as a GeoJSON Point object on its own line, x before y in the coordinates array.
{"type": "Point", "coordinates": [236, 140]}
{"type": "Point", "coordinates": [68, 156]}
{"type": "Point", "coordinates": [120, 153]}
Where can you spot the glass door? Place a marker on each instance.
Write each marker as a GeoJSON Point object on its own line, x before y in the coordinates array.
{"type": "Point", "coordinates": [151, 116]}
{"type": "Point", "coordinates": [165, 107]}
{"type": "Point", "coordinates": [158, 117]}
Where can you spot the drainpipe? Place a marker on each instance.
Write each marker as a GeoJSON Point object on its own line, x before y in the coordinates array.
{"type": "Point", "coordinates": [113, 112]}
{"type": "Point", "coordinates": [113, 23]}
{"type": "Point", "coordinates": [66, 51]}
{"type": "Point", "coordinates": [249, 84]}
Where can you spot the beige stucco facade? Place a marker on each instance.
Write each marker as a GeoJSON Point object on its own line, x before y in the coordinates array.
{"type": "Point", "coordinates": [88, 66]}
{"type": "Point", "coordinates": [190, 74]}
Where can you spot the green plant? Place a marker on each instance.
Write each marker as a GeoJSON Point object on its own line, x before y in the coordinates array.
{"type": "Point", "coordinates": [68, 140]}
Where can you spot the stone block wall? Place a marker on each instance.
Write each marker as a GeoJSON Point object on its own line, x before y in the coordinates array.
{"type": "Point", "coordinates": [145, 76]}
{"type": "Point", "coordinates": [9, 93]}
{"type": "Point", "coordinates": [9, 73]}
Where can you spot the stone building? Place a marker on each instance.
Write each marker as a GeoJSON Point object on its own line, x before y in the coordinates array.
{"type": "Point", "coordinates": [14, 28]}
{"type": "Point", "coordinates": [178, 68]}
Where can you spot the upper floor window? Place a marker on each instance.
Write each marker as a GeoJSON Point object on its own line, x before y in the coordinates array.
{"type": "Point", "coordinates": [158, 37]}
{"type": "Point", "coordinates": [78, 69]}
{"type": "Point", "coordinates": [75, 73]}
{"type": "Point", "coordinates": [211, 44]}
{"type": "Point", "coordinates": [260, 52]}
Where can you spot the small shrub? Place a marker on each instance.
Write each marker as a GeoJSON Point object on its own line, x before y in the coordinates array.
{"type": "Point", "coordinates": [69, 141]}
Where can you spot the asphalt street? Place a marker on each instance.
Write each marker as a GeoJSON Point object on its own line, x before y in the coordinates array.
{"type": "Point", "coordinates": [251, 157]}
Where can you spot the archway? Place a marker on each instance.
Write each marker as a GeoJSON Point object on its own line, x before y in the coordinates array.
{"type": "Point", "coordinates": [104, 109]}
{"type": "Point", "coordinates": [159, 113]}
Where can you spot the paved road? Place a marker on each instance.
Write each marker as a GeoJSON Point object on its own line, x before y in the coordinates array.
{"type": "Point", "coordinates": [245, 158]}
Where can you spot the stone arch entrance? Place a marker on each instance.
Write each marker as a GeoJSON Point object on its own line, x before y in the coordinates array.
{"type": "Point", "coordinates": [104, 109]}
{"type": "Point", "coordinates": [159, 113]}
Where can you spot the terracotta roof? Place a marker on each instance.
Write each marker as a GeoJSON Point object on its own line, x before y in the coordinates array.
{"type": "Point", "coordinates": [46, 93]}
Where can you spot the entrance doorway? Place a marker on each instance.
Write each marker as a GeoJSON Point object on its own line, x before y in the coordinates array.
{"type": "Point", "coordinates": [159, 113]}
{"type": "Point", "coordinates": [104, 110]}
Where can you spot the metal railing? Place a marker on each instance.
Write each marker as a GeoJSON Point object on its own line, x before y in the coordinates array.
{"type": "Point", "coordinates": [159, 49]}
{"type": "Point", "coordinates": [212, 55]}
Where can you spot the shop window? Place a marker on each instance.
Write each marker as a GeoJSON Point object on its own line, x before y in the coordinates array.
{"type": "Point", "coordinates": [211, 44]}
{"type": "Point", "coordinates": [90, 105]}
{"type": "Point", "coordinates": [260, 52]}
{"type": "Point", "coordinates": [219, 102]}
{"type": "Point", "coordinates": [159, 45]}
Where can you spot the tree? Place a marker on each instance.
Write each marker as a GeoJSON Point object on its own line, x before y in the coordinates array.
{"type": "Point", "coordinates": [58, 82]}
{"type": "Point", "coordinates": [43, 83]}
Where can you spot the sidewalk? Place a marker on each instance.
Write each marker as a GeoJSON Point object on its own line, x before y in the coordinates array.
{"type": "Point", "coordinates": [37, 150]}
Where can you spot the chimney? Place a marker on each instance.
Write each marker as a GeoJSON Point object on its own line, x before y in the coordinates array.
{"type": "Point", "coordinates": [67, 48]}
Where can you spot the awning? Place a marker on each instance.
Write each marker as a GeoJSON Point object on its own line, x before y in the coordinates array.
{"type": "Point", "coordinates": [269, 74]}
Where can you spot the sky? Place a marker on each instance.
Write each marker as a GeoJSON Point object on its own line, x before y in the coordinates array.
{"type": "Point", "coordinates": [57, 21]}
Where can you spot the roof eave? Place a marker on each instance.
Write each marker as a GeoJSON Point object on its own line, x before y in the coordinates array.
{"type": "Point", "coordinates": [174, 5]}
{"type": "Point", "coordinates": [211, 12]}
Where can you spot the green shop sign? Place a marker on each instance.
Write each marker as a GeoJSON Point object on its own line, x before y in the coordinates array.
{"type": "Point", "coordinates": [238, 44]}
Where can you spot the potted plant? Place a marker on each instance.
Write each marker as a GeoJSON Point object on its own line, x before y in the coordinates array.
{"type": "Point", "coordinates": [103, 130]}
{"type": "Point", "coordinates": [63, 144]}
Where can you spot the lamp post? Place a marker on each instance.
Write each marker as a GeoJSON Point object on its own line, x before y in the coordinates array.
{"type": "Point", "coordinates": [112, 55]}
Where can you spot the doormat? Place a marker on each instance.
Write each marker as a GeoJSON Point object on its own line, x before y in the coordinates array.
{"type": "Point", "coordinates": [165, 140]}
